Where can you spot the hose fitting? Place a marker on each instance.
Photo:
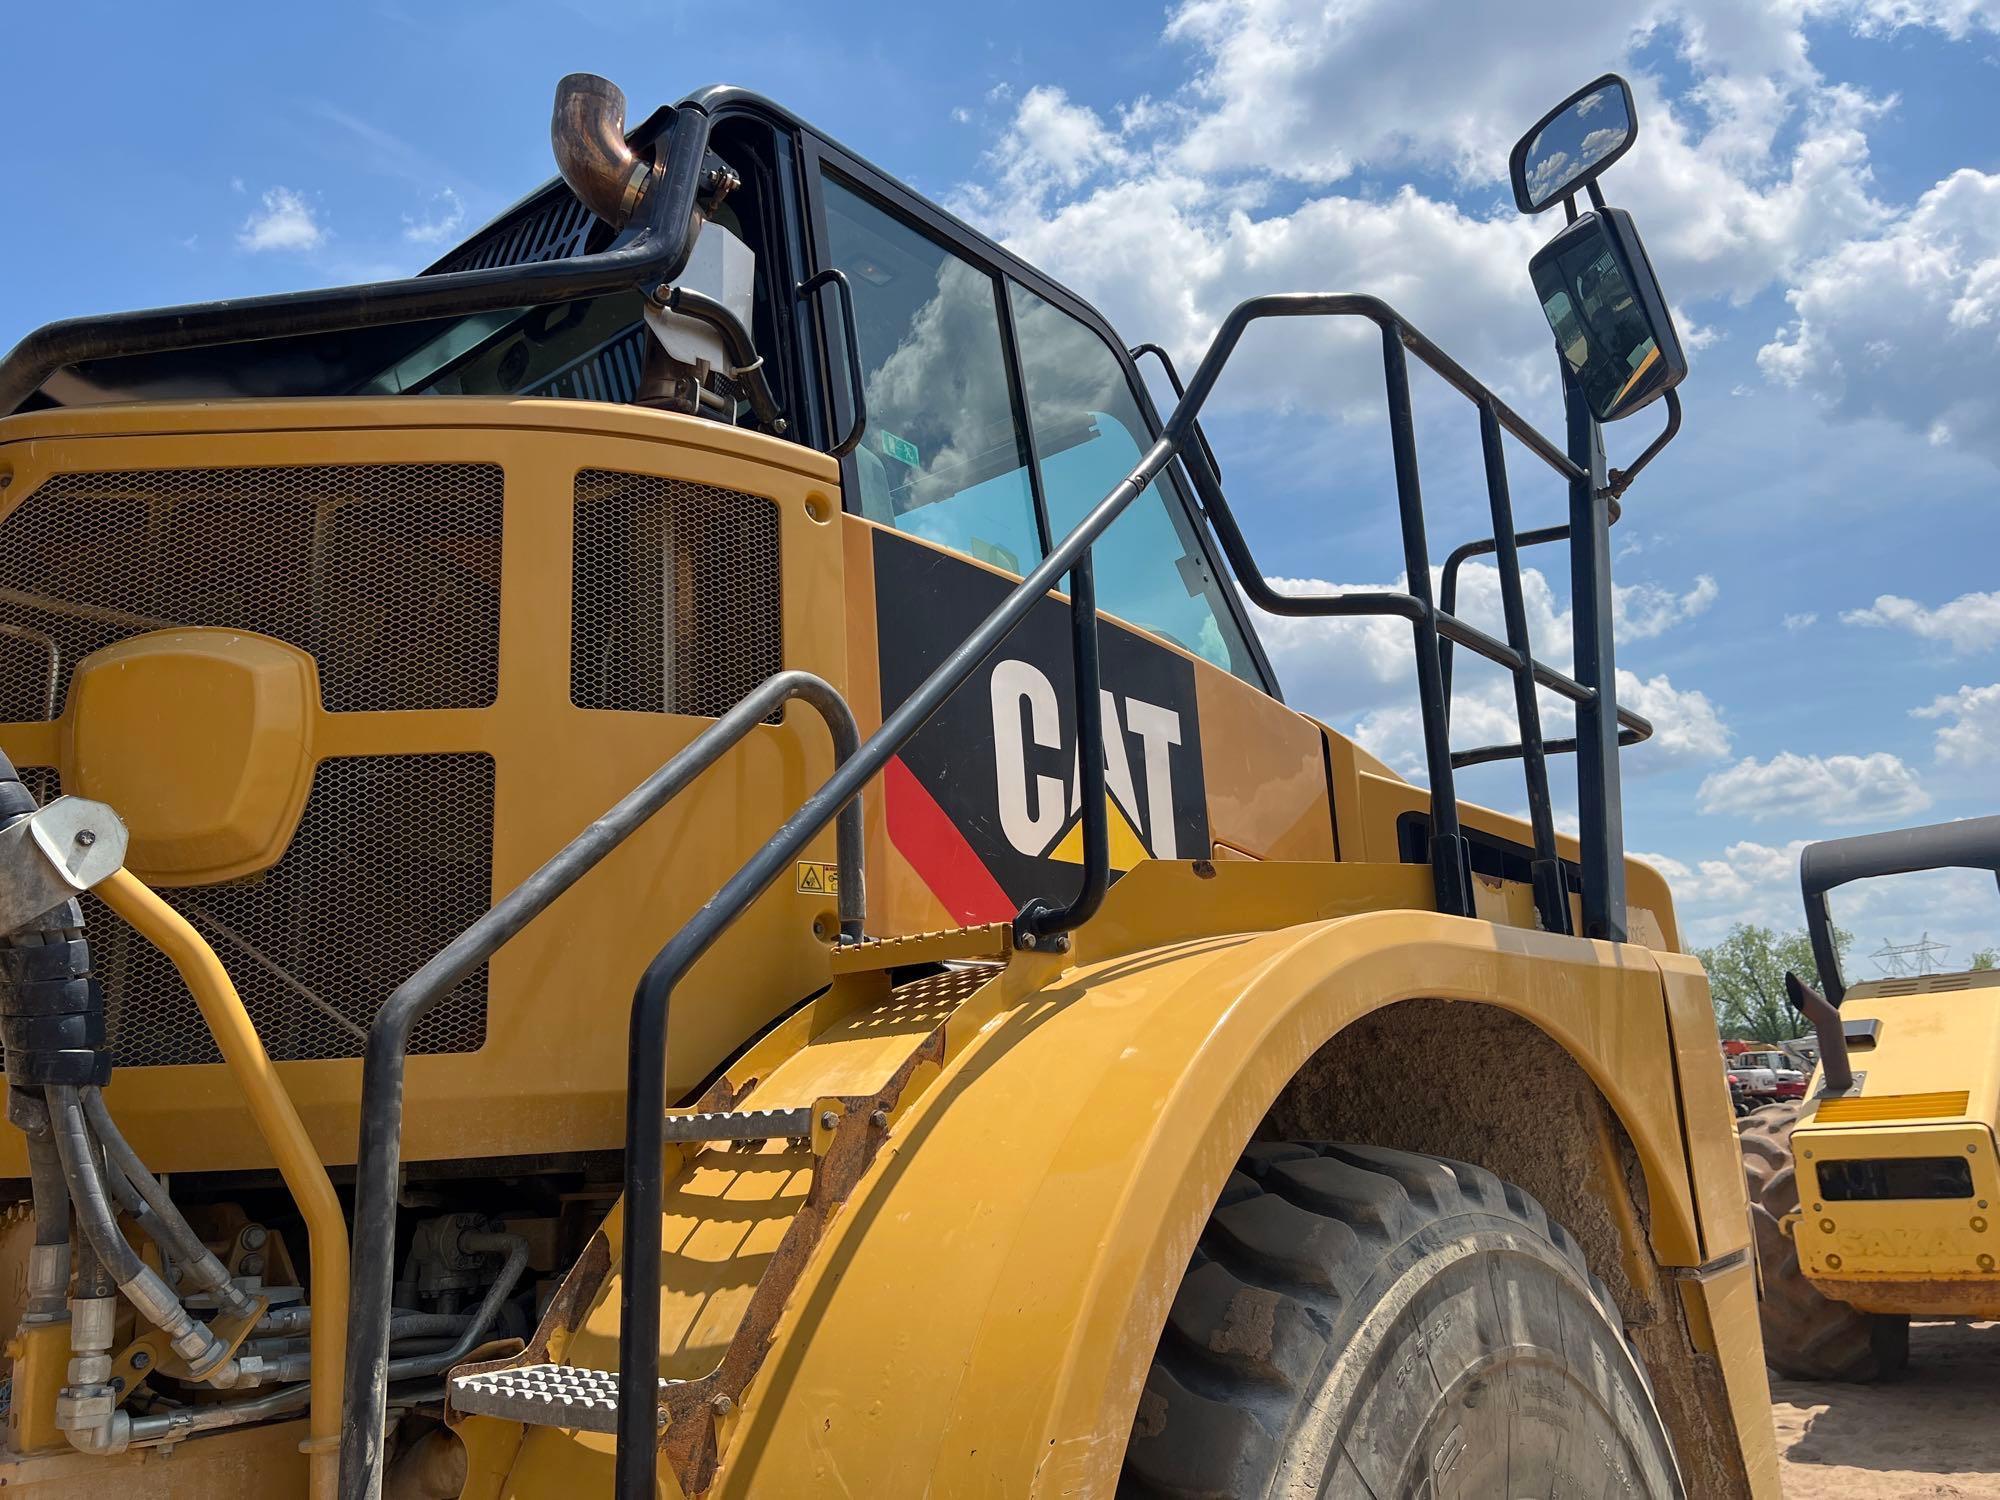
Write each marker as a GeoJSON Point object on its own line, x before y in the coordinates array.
{"type": "Point", "coordinates": [51, 1009]}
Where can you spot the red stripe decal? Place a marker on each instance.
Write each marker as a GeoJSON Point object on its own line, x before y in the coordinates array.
{"type": "Point", "coordinates": [925, 835]}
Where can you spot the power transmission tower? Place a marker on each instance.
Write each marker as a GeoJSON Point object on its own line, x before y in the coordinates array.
{"type": "Point", "coordinates": [1911, 960]}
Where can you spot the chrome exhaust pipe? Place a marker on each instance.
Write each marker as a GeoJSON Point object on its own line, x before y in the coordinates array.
{"type": "Point", "coordinates": [587, 132]}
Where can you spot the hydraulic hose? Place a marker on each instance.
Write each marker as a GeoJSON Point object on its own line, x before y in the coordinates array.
{"type": "Point", "coordinates": [169, 1229]}
{"type": "Point", "coordinates": [516, 1248]}
{"type": "Point", "coordinates": [139, 1282]}
{"type": "Point", "coordinates": [49, 1259]}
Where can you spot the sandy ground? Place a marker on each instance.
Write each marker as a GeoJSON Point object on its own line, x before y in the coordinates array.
{"type": "Point", "coordinates": [1934, 1432]}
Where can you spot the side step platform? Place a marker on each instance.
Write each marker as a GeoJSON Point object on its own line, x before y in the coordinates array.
{"type": "Point", "coordinates": [543, 1396]}
{"type": "Point", "coordinates": [835, 1075]}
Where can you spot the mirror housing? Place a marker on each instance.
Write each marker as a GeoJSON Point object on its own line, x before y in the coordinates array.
{"type": "Point", "coordinates": [1572, 145]}
{"type": "Point", "coordinates": [1610, 319]}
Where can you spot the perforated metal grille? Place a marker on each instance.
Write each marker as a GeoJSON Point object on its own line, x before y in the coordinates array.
{"type": "Point", "coordinates": [389, 574]}
{"type": "Point", "coordinates": [393, 858]}
{"type": "Point", "coordinates": [674, 604]}
{"type": "Point", "coordinates": [556, 230]}
{"type": "Point", "coordinates": [610, 373]}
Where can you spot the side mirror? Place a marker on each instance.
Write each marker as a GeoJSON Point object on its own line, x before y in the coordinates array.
{"type": "Point", "coordinates": [1572, 145]}
{"type": "Point", "coordinates": [1603, 302]}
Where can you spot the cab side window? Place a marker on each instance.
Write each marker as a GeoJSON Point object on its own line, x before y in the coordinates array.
{"type": "Point", "coordinates": [1089, 434]}
{"type": "Point", "coordinates": [943, 457]}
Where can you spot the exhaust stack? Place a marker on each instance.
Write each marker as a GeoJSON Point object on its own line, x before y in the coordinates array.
{"type": "Point", "coordinates": [587, 132]}
{"type": "Point", "coordinates": [1836, 1071]}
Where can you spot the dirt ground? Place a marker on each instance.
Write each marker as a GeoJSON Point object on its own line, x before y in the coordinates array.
{"type": "Point", "coordinates": [1934, 1432]}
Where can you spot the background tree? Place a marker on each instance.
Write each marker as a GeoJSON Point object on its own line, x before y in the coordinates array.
{"type": "Point", "coordinates": [1985, 958]}
{"type": "Point", "coordinates": [1746, 977]}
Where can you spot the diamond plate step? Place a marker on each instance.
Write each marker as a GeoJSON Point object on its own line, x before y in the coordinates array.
{"type": "Point", "coordinates": [542, 1396]}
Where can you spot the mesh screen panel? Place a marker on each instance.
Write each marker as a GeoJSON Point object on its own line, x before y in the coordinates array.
{"type": "Point", "coordinates": [674, 603]}
{"type": "Point", "coordinates": [556, 230]}
{"type": "Point", "coordinates": [389, 574]}
{"type": "Point", "coordinates": [392, 859]}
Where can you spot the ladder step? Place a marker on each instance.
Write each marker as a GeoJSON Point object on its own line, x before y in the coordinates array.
{"type": "Point", "coordinates": [741, 1125]}
{"type": "Point", "coordinates": [543, 1396]}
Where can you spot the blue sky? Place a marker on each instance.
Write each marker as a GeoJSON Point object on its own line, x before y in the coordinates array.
{"type": "Point", "coordinates": [1811, 606]}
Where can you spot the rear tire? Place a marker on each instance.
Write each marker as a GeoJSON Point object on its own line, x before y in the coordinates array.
{"type": "Point", "coordinates": [1360, 1323]}
{"type": "Point", "coordinates": [1806, 1336]}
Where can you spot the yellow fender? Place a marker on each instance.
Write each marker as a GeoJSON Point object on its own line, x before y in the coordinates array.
{"type": "Point", "coordinates": [981, 1318]}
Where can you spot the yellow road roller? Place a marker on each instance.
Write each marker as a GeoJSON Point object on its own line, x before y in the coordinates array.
{"type": "Point", "coordinates": [1873, 1196]}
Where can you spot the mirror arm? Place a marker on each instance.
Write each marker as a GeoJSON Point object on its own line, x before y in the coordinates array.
{"type": "Point", "coordinates": [1596, 195]}
{"type": "Point", "coordinates": [1620, 479]}
{"type": "Point", "coordinates": [1569, 208]}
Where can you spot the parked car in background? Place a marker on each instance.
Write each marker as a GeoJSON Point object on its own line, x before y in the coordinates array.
{"type": "Point", "coordinates": [1769, 1076]}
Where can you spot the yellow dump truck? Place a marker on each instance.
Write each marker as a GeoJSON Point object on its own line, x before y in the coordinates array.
{"type": "Point", "coordinates": [662, 860]}
{"type": "Point", "coordinates": [1873, 1196]}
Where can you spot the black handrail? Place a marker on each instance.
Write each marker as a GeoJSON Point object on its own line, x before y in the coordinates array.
{"type": "Point", "coordinates": [1545, 870]}
{"type": "Point", "coordinates": [645, 1101]}
{"type": "Point", "coordinates": [1174, 379]}
{"type": "Point", "coordinates": [654, 255]}
{"type": "Point", "coordinates": [379, 1160]}
{"type": "Point", "coordinates": [1043, 923]}
{"type": "Point", "coordinates": [836, 278]}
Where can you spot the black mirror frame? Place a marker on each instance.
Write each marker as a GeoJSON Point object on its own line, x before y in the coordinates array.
{"type": "Point", "coordinates": [1517, 159]}
{"type": "Point", "coordinates": [1637, 268]}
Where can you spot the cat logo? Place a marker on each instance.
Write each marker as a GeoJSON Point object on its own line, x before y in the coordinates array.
{"type": "Point", "coordinates": [983, 801]}
{"type": "Point", "coordinates": [1042, 817]}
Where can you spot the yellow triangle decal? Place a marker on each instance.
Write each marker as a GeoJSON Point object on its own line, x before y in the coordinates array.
{"type": "Point", "coordinates": [1127, 848]}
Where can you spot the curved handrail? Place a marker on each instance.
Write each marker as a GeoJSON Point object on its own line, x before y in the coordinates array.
{"type": "Point", "coordinates": [645, 1101]}
{"type": "Point", "coordinates": [277, 1121]}
{"type": "Point", "coordinates": [379, 1161]}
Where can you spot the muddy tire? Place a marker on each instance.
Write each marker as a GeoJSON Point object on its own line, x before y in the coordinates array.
{"type": "Point", "coordinates": [1361, 1324]}
{"type": "Point", "coordinates": [1806, 1336]}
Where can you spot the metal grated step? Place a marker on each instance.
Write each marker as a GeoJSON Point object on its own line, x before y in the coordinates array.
{"type": "Point", "coordinates": [543, 1396]}
{"type": "Point", "coordinates": [740, 1125]}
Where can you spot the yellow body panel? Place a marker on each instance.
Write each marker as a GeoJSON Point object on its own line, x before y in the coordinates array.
{"type": "Point", "coordinates": [542, 1081]}
{"type": "Point", "coordinates": [1934, 1041]}
{"type": "Point", "coordinates": [984, 1310]}
{"type": "Point", "coordinates": [1930, 1087]}
{"type": "Point", "coordinates": [981, 1315]}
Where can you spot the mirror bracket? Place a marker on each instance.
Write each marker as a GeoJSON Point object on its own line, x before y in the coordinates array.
{"type": "Point", "coordinates": [1621, 479]}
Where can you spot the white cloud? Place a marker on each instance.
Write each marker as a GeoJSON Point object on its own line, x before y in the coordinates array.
{"type": "Point", "coordinates": [1955, 18]}
{"type": "Point", "coordinates": [1686, 726]}
{"type": "Point", "coordinates": [1165, 212]}
{"type": "Point", "coordinates": [1905, 324]}
{"type": "Point", "coordinates": [1053, 144]}
{"type": "Point", "coordinates": [1666, 864]}
{"type": "Point", "coordinates": [285, 222]}
{"type": "Point", "coordinates": [1643, 610]}
{"type": "Point", "coordinates": [442, 221]}
{"type": "Point", "coordinates": [1829, 789]}
{"type": "Point", "coordinates": [1804, 621]}
{"type": "Point", "coordinates": [1759, 884]}
{"type": "Point", "coordinates": [1973, 736]}
{"type": "Point", "coordinates": [1747, 882]}
{"type": "Point", "coordinates": [1971, 622]}
{"type": "Point", "coordinates": [961, 115]}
